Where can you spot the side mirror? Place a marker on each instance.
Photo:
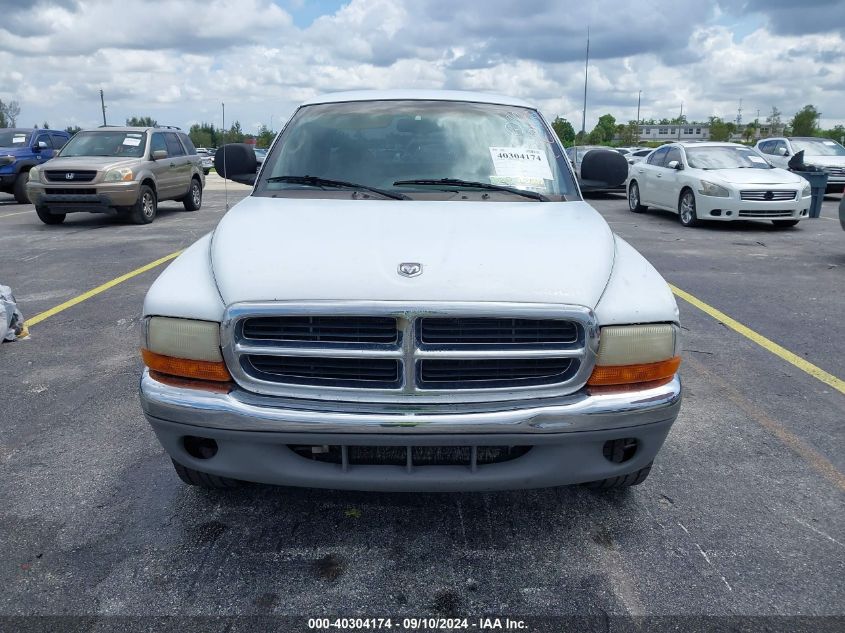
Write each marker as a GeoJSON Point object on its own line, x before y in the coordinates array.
{"type": "Point", "coordinates": [159, 154]}
{"type": "Point", "coordinates": [603, 168]}
{"type": "Point", "coordinates": [675, 164]}
{"type": "Point", "coordinates": [236, 161]}
{"type": "Point", "coordinates": [782, 151]}
{"type": "Point", "coordinates": [41, 145]}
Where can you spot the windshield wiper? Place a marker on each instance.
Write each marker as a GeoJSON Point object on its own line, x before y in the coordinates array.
{"type": "Point", "coordinates": [455, 182]}
{"type": "Point", "coordinates": [316, 181]}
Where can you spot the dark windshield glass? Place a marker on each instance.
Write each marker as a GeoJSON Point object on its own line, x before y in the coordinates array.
{"type": "Point", "coordinates": [725, 158]}
{"type": "Point", "coordinates": [377, 143]}
{"type": "Point", "coordinates": [818, 147]}
{"type": "Point", "coordinates": [14, 138]}
{"type": "Point", "coordinates": [106, 143]}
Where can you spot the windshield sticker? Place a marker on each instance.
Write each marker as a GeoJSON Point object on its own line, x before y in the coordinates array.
{"type": "Point", "coordinates": [757, 159]}
{"type": "Point", "coordinates": [18, 139]}
{"type": "Point", "coordinates": [520, 162]}
{"type": "Point", "coordinates": [134, 142]}
{"type": "Point", "coordinates": [521, 182]}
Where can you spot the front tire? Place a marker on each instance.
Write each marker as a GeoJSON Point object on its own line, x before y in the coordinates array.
{"type": "Point", "coordinates": [193, 201]}
{"type": "Point", "coordinates": [686, 208]}
{"type": "Point", "coordinates": [623, 481]}
{"type": "Point", "coordinates": [49, 218]}
{"type": "Point", "coordinates": [634, 198]}
{"type": "Point", "coordinates": [145, 209]}
{"type": "Point", "coordinates": [784, 224]}
{"type": "Point", "coordinates": [204, 480]}
{"type": "Point", "coordinates": [20, 187]}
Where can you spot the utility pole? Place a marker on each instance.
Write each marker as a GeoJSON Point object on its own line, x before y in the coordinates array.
{"type": "Point", "coordinates": [739, 115]}
{"type": "Point", "coordinates": [639, 95]}
{"type": "Point", "coordinates": [103, 105]}
{"type": "Point", "coordinates": [586, 68]}
{"type": "Point", "coordinates": [680, 120]}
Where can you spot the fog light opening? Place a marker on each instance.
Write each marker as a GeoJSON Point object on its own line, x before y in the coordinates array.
{"type": "Point", "coordinates": [199, 447]}
{"type": "Point", "coordinates": [621, 450]}
{"type": "Point", "coordinates": [716, 212]}
{"type": "Point", "coordinates": [729, 212]}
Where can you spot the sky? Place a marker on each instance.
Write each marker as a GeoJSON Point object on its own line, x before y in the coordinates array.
{"type": "Point", "coordinates": [178, 60]}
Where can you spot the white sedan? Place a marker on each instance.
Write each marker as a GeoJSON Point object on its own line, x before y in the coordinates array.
{"type": "Point", "coordinates": [717, 181]}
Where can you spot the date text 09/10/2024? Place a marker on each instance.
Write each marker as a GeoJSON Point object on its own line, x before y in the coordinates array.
{"type": "Point", "coordinates": [418, 624]}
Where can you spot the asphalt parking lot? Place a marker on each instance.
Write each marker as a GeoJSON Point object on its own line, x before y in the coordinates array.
{"type": "Point", "coordinates": [742, 514]}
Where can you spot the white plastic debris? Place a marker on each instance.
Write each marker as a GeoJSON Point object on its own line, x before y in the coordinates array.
{"type": "Point", "coordinates": [11, 319]}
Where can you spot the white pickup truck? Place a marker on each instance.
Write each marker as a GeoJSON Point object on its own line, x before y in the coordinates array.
{"type": "Point", "coordinates": [414, 297]}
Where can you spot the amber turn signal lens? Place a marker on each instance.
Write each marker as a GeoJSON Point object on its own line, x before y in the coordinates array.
{"type": "Point", "coordinates": [629, 374]}
{"type": "Point", "coordinates": [186, 368]}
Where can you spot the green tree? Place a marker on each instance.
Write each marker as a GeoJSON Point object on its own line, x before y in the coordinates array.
{"type": "Point", "coordinates": [596, 137]}
{"type": "Point", "coordinates": [141, 121]}
{"type": "Point", "coordinates": [9, 113]}
{"type": "Point", "coordinates": [564, 130]}
{"type": "Point", "coordinates": [750, 132]}
{"type": "Point", "coordinates": [203, 135]}
{"type": "Point", "coordinates": [234, 134]}
{"type": "Point", "coordinates": [804, 121]}
{"type": "Point", "coordinates": [72, 129]}
{"type": "Point", "coordinates": [721, 130]}
{"type": "Point", "coordinates": [607, 127]}
{"type": "Point", "coordinates": [837, 133]}
{"type": "Point", "coordinates": [265, 137]}
{"type": "Point", "coordinates": [628, 134]}
{"type": "Point", "coordinates": [45, 125]}
{"type": "Point", "coordinates": [774, 121]}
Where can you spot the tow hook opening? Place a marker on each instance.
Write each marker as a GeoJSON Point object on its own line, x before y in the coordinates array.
{"type": "Point", "coordinates": [199, 447]}
{"type": "Point", "coordinates": [621, 450]}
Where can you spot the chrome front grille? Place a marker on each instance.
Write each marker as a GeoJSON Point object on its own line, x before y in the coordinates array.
{"type": "Point", "coordinates": [835, 171]}
{"type": "Point", "coordinates": [767, 195]}
{"type": "Point", "coordinates": [396, 352]}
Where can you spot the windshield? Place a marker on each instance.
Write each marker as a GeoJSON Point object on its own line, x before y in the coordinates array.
{"type": "Point", "coordinates": [106, 143]}
{"type": "Point", "coordinates": [377, 143]}
{"type": "Point", "coordinates": [818, 147]}
{"type": "Point", "coordinates": [14, 138]}
{"type": "Point", "coordinates": [725, 158]}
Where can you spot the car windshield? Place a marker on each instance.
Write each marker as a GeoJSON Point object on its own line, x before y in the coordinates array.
{"type": "Point", "coordinates": [818, 147]}
{"type": "Point", "coordinates": [106, 143]}
{"type": "Point", "coordinates": [379, 143]}
{"type": "Point", "coordinates": [716, 157]}
{"type": "Point", "coordinates": [14, 138]}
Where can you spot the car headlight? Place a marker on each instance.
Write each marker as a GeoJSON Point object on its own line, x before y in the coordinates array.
{"type": "Point", "coordinates": [121, 174]}
{"type": "Point", "coordinates": [636, 354]}
{"type": "Point", "coordinates": [183, 347]}
{"type": "Point", "coordinates": [712, 189]}
{"type": "Point", "coordinates": [7, 160]}
{"type": "Point", "coordinates": [806, 190]}
{"type": "Point", "coordinates": [35, 174]}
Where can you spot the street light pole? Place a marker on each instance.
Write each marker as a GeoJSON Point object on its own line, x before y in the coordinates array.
{"type": "Point", "coordinates": [639, 95]}
{"type": "Point", "coordinates": [586, 68]}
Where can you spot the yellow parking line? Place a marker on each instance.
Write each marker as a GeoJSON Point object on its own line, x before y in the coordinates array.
{"type": "Point", "coordinates": [38, 318]}
{"type": "Point", "coordinates": [762, 341]}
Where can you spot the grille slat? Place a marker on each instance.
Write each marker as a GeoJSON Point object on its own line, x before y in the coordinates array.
{"type": "Point", "coordinates": [364, 372]}
{"type": "Point", "coordinates": [468, 331]}
{"type": "Point", "coordinates": [79, 175]}
{"type": "Point", "coordinates": [320, 329]}
{"type": "Point", "coordinates": [60, 191]}
{"type": "Point", "coordinates": [464, 374]}
{"type": "Point", "coordinates": [766, 213]}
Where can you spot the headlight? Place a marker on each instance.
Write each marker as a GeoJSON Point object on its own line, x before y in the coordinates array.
{"type": "Point", "coordinates": [806, 190]}
{"type": "Point", "coordinates": [183, 347]}
{"type": "Point", "coordinates": [117, 175]}
{"type": "Point", "coordinates": [35, 174]}
{"type": "Point", "coordinates": [636, 354]}
{"type": "Point", "coordinates": [7, 160]}
{"type": "Point", "coordinates": [712, 189]}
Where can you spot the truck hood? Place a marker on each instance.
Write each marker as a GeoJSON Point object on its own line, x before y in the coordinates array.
{"type": "Point", "coordinates": [268, 249]}
{"type": "Point", "coordinates": [825, 161]}
{"type": "Point", "coordinates": [90, 162]}
{"type": "Point", "coordinates": [775, 176]}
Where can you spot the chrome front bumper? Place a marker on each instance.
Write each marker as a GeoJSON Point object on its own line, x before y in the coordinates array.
{"type": "Point", "coordinates": [243, 411]}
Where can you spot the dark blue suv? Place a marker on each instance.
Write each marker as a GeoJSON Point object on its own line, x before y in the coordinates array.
{"type": "Point", "coordinates": [22, 149]}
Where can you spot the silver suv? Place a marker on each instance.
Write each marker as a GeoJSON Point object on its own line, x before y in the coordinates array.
{"type": "Point", "coordinates": [122, 170]}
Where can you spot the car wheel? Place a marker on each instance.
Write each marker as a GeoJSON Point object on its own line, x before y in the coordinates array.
{"type": "Point", "coordinates": [144, 210]}
{"type": "Point", "coordinates": [634, 198]}
{"type": "Point", "coordinates": [193, 200]}
{"type": "Point", "coordinates": [784, 224]}
{"type": "Point", "coordinates": [686, 208]}
{"type": "Point", "coordinates": [20, 187]}
{"type": "Point", "coordinates": [204, 480]}
{"type": "Point", "coordinates": [623, 481]}
{"type": "Point", "coordinates": [49, 218]}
